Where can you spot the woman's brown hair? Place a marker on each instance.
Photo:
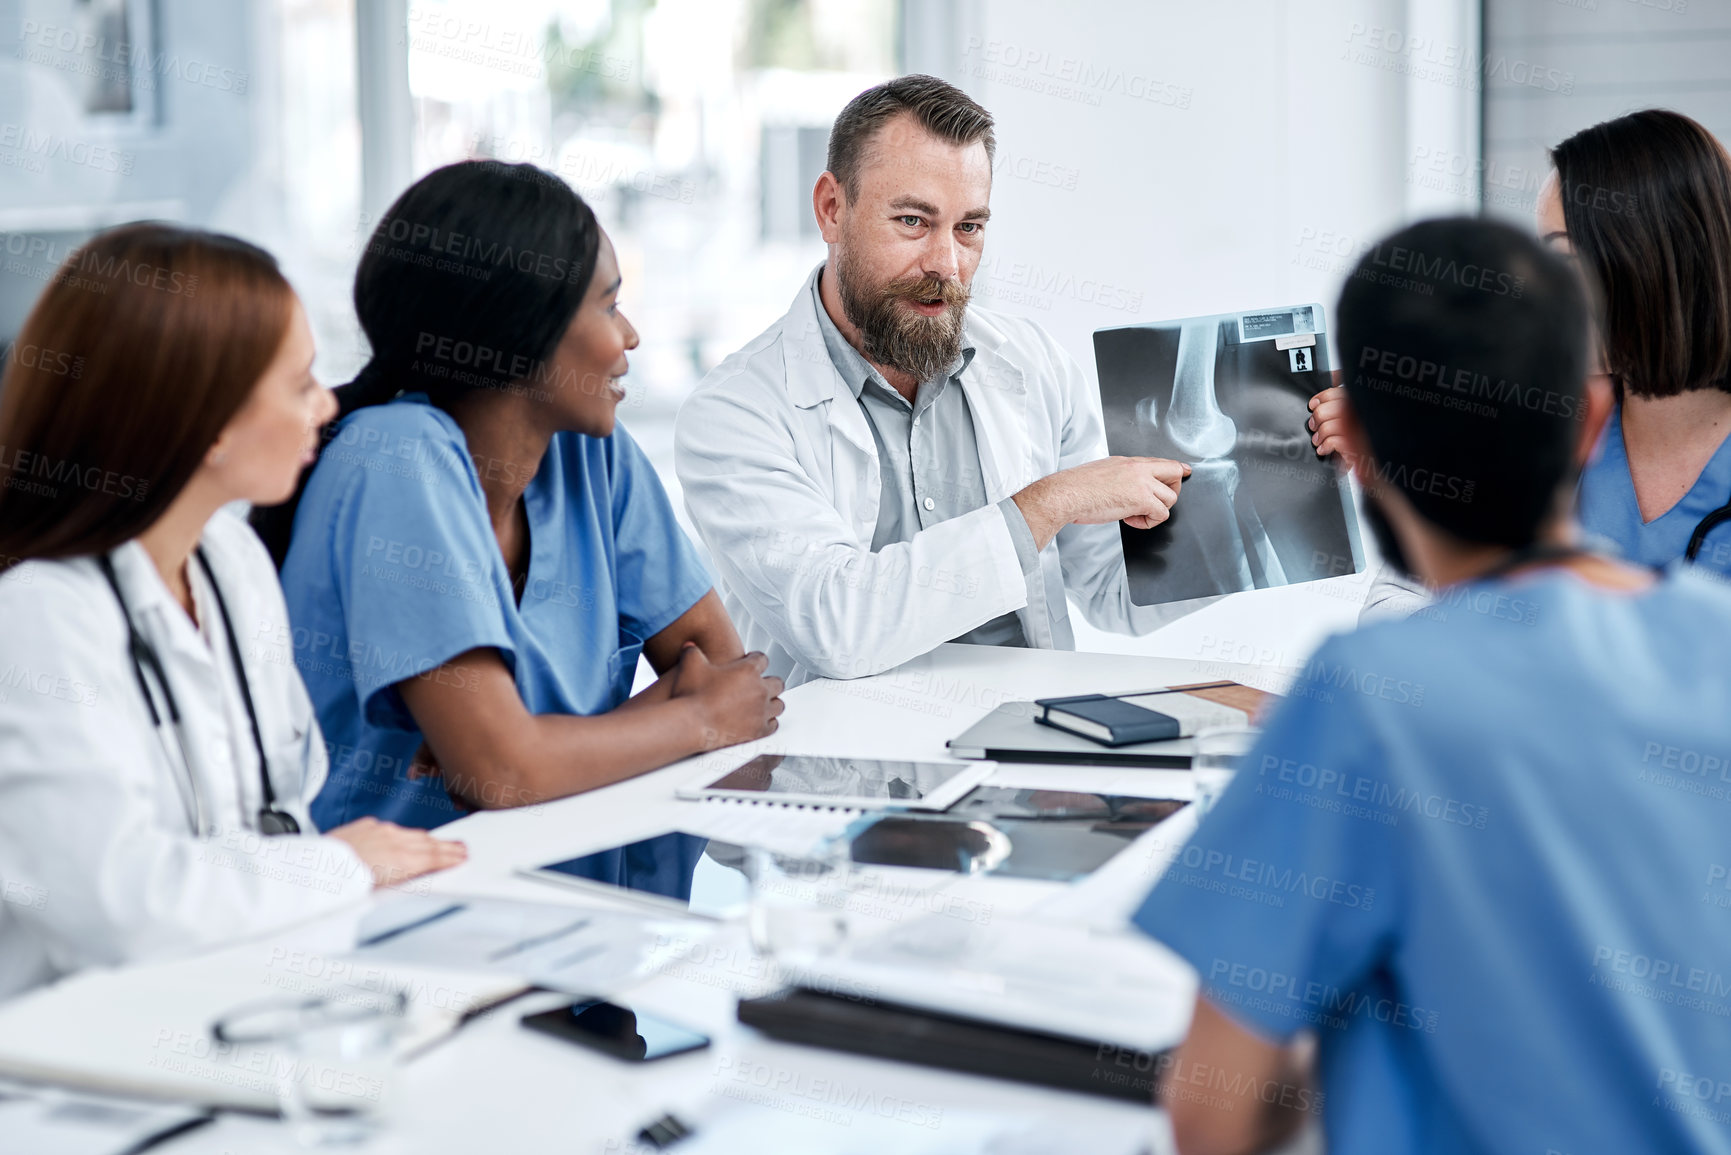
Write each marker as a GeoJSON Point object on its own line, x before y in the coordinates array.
{"type": "Point", "coordinates": [1647, 204]}
{"type": "Point", "coordinates": [144, 345]}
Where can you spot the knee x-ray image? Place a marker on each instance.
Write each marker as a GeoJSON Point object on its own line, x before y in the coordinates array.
{"type": "Point", "coordinates": [1228, 395]}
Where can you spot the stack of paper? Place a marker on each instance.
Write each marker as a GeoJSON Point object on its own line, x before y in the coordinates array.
{"type": "Point", "coordinates": [145, 1030]}
{"type": "Point", "coordinates": [1120, 988]}
{"type": "Point", "coordinates": [554, 945]}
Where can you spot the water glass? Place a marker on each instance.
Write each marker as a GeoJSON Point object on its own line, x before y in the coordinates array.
{"type": "Point", "coordinates": [1219, 750]}
{"type": "Point", "coordinates": [798, 902]}
{"type": "Point", "coordinates": [333, 1060]}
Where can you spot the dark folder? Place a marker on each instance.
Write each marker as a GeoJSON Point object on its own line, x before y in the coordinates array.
{"type": "Point", "coordinates": [953, 1042]}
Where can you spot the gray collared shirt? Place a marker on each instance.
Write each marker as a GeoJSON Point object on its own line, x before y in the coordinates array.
{"type": "Point", "coordinates": [929, 459]}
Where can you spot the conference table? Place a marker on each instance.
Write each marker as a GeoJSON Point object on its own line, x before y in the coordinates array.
{"type": "Point", "coordinates": [494, 1086]}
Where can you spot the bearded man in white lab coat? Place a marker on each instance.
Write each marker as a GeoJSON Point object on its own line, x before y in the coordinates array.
{"type": "Point", "coordinates": [888, 468]}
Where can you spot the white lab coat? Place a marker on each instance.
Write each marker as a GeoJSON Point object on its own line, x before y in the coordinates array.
{"type": "Point", "coordinates": [1393, 595]}
{"type": "Point", "coordinates": [98, 861]}
{"type": "Point", "coordinates": [781, 480]}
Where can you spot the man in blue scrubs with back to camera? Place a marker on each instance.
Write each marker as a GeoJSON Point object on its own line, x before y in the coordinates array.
{"type": "Point", "coordinates": [1472, 883]}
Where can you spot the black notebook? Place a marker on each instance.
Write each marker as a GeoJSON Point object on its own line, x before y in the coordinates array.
{"type": "Point", "coordinates": [953, 1042]}
{"type": "Point", "coordinates": [1108, 721]}
{"type": "Point", "coordinates": [1150, 715]}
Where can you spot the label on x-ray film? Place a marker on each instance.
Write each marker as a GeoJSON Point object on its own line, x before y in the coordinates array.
{"type": "Point", "coordinates": [1303, 360]}
{"type": "Point", "coordinates": [1278, 323]}
{"type": "Point", "coordinates": [1296, 341]}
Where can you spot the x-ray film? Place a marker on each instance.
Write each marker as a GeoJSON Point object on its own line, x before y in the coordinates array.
{"type": "Point", "coordinates": [1228, 395]}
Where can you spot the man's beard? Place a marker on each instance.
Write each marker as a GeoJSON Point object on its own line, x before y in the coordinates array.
{"type": "Point", "coordinates": [922, 347]}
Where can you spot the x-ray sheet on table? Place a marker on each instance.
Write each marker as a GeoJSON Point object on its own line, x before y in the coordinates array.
{"type": "Point", "coordinates": [558, 946]}
{"type": "Point", "coordinates": [1228, 395]}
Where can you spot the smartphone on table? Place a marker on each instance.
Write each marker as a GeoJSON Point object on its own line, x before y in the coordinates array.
{"type": "Point", "coordinates": [633, 1035]}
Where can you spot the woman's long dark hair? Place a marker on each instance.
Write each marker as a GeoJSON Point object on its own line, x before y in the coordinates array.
{"type": "Point", "coordinates": [144, 345]}
{"type": "Point", "coordinates": [1647, 204]}
{"type": "Point", "coordinates": [474, 273]}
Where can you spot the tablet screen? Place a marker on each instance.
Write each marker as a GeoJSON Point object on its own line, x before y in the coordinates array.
{"type": "Point", "coordinates": [858, 780]}
{"type": "Point", "coordinates": [705, 874]}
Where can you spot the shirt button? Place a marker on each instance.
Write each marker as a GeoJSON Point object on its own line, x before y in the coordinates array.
{"type": "Point", "coordinates": [916, 423]}
{"type": "Point", "coordinates": [930, 505]}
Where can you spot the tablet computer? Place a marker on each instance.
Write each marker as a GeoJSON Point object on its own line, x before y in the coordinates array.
{"type": "Point", "coordinates": [841, 783]}
{"type": "Point", "coordinates": [678, 873]}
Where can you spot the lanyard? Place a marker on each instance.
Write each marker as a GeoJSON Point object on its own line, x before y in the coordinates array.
{"type": "Point", "coordinates": [271, 820]}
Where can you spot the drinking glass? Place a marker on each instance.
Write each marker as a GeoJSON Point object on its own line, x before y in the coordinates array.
{"type": "Point", "coordinates": [333, 1060]}
{"type": "Point", "coordinates": [798, 902]}
{"type": "Point", "coordinates": [1219, 750]}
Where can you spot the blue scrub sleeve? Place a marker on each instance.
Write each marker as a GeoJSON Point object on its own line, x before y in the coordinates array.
{"type": "Point", "coordinates": [660, 574]}
{"type": "Point", "coordinates": [416, 567]}
{"type": "Point", "coordinates": [1286, 898]}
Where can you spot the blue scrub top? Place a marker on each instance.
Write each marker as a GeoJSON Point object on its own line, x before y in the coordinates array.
{"type": "Point", "coordinates": [394, 570]}
{"type": "Point", "coordinates": [1481, 853]}
{"type": "Point", "coordinates": [1608, 508]}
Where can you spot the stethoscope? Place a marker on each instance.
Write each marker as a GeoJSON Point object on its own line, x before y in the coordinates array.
{"type": "Point", "coordinates": [271, 820]}
{"type": "Point", "coordinates": [1705, 526]}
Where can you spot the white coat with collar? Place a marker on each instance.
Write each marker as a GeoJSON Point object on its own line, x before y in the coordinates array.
{"type": "Point", "coordinates": [99, 863]}
{"type": "Point", "coordinates": [781, 481]}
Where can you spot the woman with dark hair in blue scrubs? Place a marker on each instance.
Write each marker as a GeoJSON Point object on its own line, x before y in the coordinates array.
{"type": "Point", "coordinates": [1644, 201]}
{"type": "Point", "coordinates": [482, 553]}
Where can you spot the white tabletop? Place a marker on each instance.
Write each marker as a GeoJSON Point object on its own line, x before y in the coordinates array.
{"type": "Point", "coordinates": [495, 1086]}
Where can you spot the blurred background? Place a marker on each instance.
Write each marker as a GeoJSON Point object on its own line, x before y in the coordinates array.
{"type": "Point", "coordinates": [1156, 158]}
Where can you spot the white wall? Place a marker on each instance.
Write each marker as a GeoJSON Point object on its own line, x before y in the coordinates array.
{"type": "Point", "coordinates": [1168, 158]}
{"type": "Point", "coordinates": [1557, 68]}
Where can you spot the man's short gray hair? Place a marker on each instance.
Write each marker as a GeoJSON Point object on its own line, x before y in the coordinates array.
{"type": "Point", "coordinates": [942, 109]}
